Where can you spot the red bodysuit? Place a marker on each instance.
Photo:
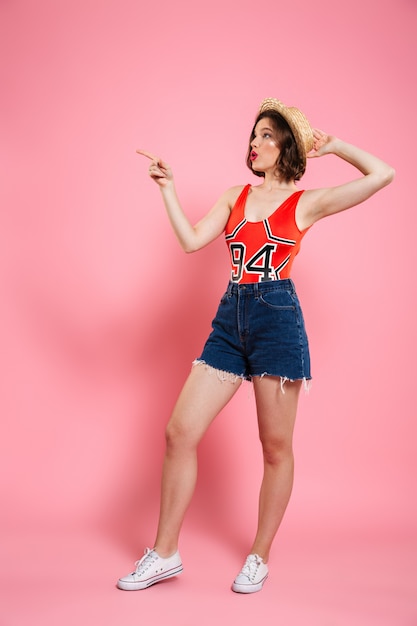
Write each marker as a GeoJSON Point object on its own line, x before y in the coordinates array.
{"type": "Point", "coordinates": [263, 250]}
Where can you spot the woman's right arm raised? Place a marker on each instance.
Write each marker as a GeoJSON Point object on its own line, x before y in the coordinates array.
{"type": "Point", "coordinates": [191, 238]}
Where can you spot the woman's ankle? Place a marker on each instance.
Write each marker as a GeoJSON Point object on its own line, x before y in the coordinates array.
{"type": "Point", "coordinates": [165, 550]}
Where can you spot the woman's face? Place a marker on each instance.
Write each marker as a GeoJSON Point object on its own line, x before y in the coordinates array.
{"type": "Point", "coordinates": [265, 150]}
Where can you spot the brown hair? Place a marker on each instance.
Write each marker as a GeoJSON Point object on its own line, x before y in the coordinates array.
{"type": "Point", "coordinates": [289, 165]}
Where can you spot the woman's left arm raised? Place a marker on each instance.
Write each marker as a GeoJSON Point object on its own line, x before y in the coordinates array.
{"type": "Point", "coordinates": [318, 203]}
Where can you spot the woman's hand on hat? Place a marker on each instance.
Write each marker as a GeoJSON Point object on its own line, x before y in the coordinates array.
{"type": "Point", "coordinates": [322, 144]}
{"type": "Point", "coordinates": [159, 171]}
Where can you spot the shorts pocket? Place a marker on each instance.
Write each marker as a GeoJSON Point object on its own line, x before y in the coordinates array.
{"type": "Point", "coordinates": [278, 300]}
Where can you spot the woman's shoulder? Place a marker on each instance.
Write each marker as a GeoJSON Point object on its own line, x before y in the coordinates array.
{"type": "Point", "coordinates": [237, 189]}
{"type": "Point", "coordinates": [233, 193]}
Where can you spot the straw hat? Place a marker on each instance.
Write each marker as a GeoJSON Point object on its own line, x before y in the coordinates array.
{"type": "Point", "coordinates": [297, 121]}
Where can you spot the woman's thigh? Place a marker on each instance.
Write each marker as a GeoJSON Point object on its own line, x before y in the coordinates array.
{"type": "Point", "coordinates": [203, 396]}
{"type": "Point", "coordinates": [276, 406]}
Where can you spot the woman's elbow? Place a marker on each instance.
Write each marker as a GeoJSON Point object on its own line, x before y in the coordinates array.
{"type": "Point", "coordinates": [190, 247]}
{"type": "Point", "coordinates": [387, 176]}
{"type": "Point", "coordinates": [193, 245]}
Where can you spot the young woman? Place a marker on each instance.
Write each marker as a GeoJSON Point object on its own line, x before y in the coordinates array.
{"type": "Point", "coordinates": [258, 333]}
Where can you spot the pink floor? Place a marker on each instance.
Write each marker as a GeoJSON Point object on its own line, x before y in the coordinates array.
{"type": "Point", "coordinates": [69, 579]}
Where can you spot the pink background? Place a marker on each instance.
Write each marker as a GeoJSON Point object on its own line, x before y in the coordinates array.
{"type": "Point", "coordinates": [102, 313]}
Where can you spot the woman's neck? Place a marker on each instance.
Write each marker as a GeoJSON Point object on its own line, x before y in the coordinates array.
{"type": "Point", "coordinates": [272, 183]}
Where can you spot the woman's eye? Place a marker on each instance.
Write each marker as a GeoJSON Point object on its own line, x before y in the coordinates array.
{"type": "Point", "coordinates": [267, 136]}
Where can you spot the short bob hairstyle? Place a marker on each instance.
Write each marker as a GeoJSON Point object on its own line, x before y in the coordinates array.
{"type": "Point", "coordinates": [289, 165]}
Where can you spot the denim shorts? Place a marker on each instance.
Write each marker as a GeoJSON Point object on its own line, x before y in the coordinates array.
{"type": "Point", "coordinates": [259, 331]}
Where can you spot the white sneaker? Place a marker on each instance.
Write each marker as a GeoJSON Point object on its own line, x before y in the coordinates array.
{"type": "Point", "coordinates": [151, 569]}
{"type": "Point", "coordinates": [252, 575]}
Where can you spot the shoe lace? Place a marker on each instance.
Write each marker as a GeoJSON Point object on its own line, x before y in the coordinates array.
{"type": "Point", "coordinates": [146, 561]}
{"type": "Point", "coordinates": [251, 566]}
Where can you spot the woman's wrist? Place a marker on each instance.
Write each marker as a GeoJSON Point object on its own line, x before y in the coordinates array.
{"type": "Point", "coordinates": [168, 188]}
{"type": "Point", "coordinates": [337, 147]}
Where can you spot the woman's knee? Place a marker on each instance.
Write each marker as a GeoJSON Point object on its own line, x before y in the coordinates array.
{"type": "Point", "coordinates": [177, 436]}
{"type": "Point", "coordinates": [277, 450]}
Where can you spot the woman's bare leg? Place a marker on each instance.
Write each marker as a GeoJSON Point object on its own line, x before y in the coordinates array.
{"type": "Point", "coordinates": [203, 396]}
{"type": "Point", "coordinates": [276, 418]}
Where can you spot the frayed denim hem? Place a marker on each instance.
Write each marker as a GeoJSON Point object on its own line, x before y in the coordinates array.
{"type": "Point", "coordinates": [223, 376]}
{"type": "Point", "coordinates": [231, 377]}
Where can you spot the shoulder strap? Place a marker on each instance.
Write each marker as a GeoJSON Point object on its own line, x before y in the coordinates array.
{"type": "Point", "coordinates": [241, 200]}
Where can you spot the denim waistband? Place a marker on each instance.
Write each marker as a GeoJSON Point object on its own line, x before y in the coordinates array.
{"type": "Point", "coordinates": [286, 284]}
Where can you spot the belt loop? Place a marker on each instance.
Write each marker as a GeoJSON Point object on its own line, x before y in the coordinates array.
{"type": "Point", "coordinates": [256, 290]}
